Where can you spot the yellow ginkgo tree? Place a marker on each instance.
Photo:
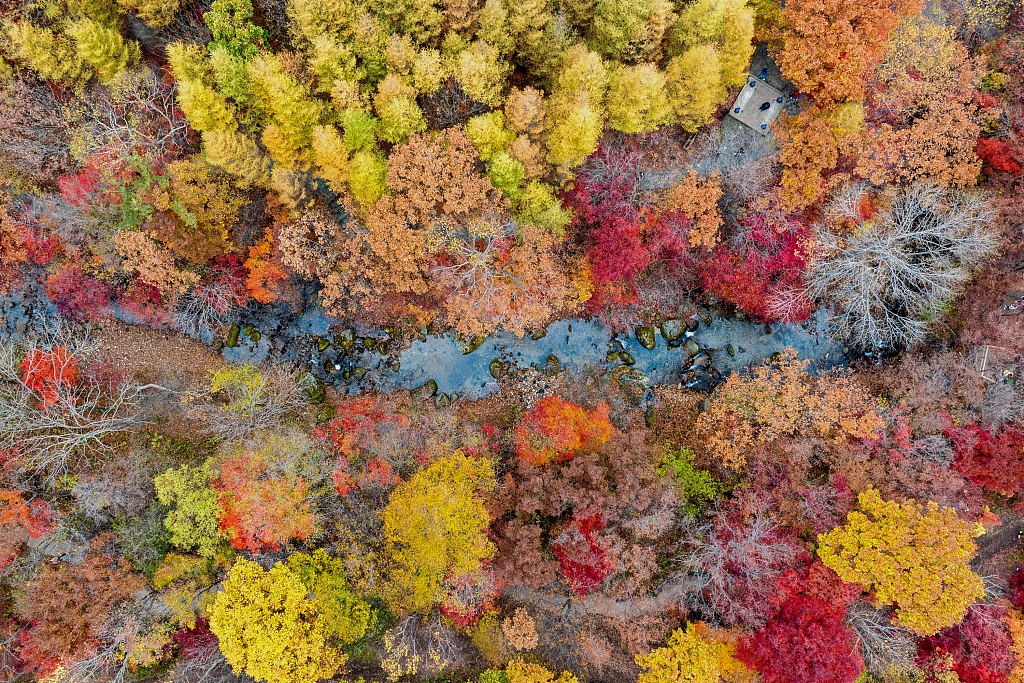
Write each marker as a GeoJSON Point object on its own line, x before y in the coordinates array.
{"type": "Point", "coordinates": [910, 556]}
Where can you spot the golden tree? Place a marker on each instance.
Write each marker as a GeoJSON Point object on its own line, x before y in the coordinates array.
{"type": "Point", "coordinates": [910, 556]}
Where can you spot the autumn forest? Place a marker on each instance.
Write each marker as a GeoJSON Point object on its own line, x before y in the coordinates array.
{"type": "Point", "coordinates": [511, 341]}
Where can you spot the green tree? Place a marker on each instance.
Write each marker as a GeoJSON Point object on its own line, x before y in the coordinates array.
{"type": "Point", "coordinates": [506, 174]}
{"type": "Point", "coordinates": [573, 130]}
{"type": "Point", "coordinates": [397, 110]}
{"type": "Point", "coordinates": [194, 518]}
{"type": "Point", "coordinates": [629, 29]}
{"type": "Point", "coordinates": [230, 22]}
{"type": "Point", "coordinates": [574, 117]}
{"type": "Point", "coordinates": [696, 655]}
{"type": "Point", "coordinates": [289, 624]}
{"type": "Point", "coordinates": [206, 109]}
{"type": "Point", "coordinates": [910, 556]}
{"type": "Point", "coordinates": [537, 204]}
{"type": "Point", "coordinates": [435, 526]}
{"type": "Point", "coordinates": [727, 25]}
{"type": "Point", "coordinates": [331, 155]}
{"type": "Point", "coordinates": [360, 129]}
{"type": "Point", "coordinates": [482, 72]}
{"type": "Point", "coordinates": [157, 13]}
{"type": "Point", "coordinates": [188, 62]}
{"type": "Point", "coordinates": [698, 487]}
{"type": "Point", "coordinates": [418, 19]}
{"type": "Point", "coordinates": [287, 101]}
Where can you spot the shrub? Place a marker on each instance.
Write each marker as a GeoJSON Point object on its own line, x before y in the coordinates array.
{"type": "Point", "coordinates": [77, 294]}
{"type": "Point", "coordinates": [262, 509]}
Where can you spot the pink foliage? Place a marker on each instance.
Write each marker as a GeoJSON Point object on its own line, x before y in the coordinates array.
{"type": "Point", "coordinates": [45, 372]}
{"type": "Point", "coordinates": [78, 295]}
{"type": "Point", "coordinates": [224, 289]}
{"type": "Point", "coordinates": [370, 443]}
{"type": "Point", "coordinates": [981, 646]}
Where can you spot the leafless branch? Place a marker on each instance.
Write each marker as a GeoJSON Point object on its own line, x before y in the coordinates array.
{"type": "Point", "coordinates": [81, 415]}
{"type": "Point", "coordinates": [902, 265]}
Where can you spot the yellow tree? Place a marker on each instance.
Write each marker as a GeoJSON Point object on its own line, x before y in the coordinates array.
{"type": "Point", "coordinates": [913, 557]}
{"type": "Point", "coordinates": [696, 655]}
{"type": "Point", "coordinates": [519, 671]}
{"type": "Point", "coordinates": [435, 527]}
{"type": "Point", "coordinates": [289, 624]}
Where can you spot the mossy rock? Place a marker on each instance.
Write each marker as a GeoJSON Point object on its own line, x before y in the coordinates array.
{"type": "Point", "coordinates": [645, 335]}
{"type": "Point", "coordinates": [472, 344]}
{"type": "Point", "coordinates": [672, 329]}
{"type": "Point", "coordinates": [426, 390]}
{"type": "Point", "coordinates": [312, 388]}
{"type": "Point", "coordinates": [345, 339]}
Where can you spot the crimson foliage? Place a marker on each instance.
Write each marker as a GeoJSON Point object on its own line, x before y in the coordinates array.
{"type": "Point", "coordinates": [581, 555]}
{"type": "Point", "coordinates": [753, 274]}
{"type": "Point", "coordinates": [623, 237]}
{"type": "Point", "coordinates": [998, 155]}
{"type": "Point", "coordinates": [807, 642]}
{"type": "Point", "coordinates": [981, 646]}
{"type": "Point", "coordinates": [992, 461]}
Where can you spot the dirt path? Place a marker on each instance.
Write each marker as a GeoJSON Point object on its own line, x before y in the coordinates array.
{"type": "Point", "coordinates": [599, 605]}
{"type": "Point", "coordinates": [161, 353]}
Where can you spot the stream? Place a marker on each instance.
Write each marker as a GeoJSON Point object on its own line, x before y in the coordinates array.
{"type": "Point", "coordinates": [352, 364]}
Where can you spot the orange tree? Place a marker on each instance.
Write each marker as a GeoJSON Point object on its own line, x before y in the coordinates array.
{"type": "Point", "coordinates": [554, 429]}
{"type": "Point", "coordinates": [829, 46]}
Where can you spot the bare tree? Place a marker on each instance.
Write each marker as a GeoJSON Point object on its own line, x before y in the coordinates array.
{"type": "Point", "coordinates": [420, 646]}
{"type": "Point", "coordinates": [267, 396]}
{"type": "Point", "coordinates": [734, 565]}
{"type": "Point", "coordinates": [207, 667]}
{"type": "Point", "coordinates": [885, 647]}
{"type": "Point", "coordinates": [138, 115]}
{"type": "Point", "coordinates": [894, 271]}
{"type": "Point", "coordinates": [73, 414]}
